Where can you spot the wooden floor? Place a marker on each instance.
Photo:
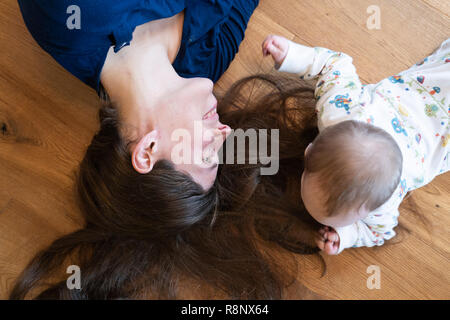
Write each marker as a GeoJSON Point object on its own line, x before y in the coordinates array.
{"type": "Point", "coordinates": [47, 118]}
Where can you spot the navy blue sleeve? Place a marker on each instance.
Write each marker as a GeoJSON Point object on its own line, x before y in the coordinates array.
{"type": "Point", "coordinates": [231, 35]}
{"type": "Point", "coordinates": [211, 55]}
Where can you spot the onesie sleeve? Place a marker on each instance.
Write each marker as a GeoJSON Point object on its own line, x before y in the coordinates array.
{"type": "Point", "coordinates": [371, 231]}
{"type": "Point", "coordinates": [338, 89]}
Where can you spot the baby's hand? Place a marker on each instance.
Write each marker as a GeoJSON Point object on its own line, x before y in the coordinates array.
{"type": "Point", "coordinates": [327, 239]}
{"type": "Point", "coordinates": [277, 47]}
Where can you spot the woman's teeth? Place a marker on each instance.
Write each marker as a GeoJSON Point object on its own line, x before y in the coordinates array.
{"type": "Point", "coordinates": [210, 114]}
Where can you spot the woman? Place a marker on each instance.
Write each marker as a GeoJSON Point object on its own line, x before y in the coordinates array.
{"type": "Point", "coordinates": [156, 61]}
{"type": "Point", "coordinates": [151, 225]}
{"type": "Point", "coordinates": [147, 235]}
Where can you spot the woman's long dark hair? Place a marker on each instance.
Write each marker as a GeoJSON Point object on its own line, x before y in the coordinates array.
{"type": "Point", "coordinates": [145, 236]}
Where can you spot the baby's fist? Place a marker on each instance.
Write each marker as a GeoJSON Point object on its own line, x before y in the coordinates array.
{"type": "Point", "coordinates": [327, 239]}
{"type": "Point", "coordinates": [277, 47]}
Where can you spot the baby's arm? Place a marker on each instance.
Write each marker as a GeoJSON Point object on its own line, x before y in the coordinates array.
{"type": "Point", "coordinates": [338, 88]}
{"type": "Point", "coordinates": [371, 231]}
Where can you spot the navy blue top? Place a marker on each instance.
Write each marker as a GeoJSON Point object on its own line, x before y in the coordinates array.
{"type": "Point", "coordinates": [212, 32]}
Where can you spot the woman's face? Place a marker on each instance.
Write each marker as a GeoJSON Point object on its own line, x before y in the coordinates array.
{"type": "Point", "coordinates": [189, 132]}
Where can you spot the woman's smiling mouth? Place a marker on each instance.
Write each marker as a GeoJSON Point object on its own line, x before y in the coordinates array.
{"type": "Point", "coordinates": [211, 113]}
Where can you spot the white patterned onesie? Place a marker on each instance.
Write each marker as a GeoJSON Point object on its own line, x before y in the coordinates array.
{"type": "Point", "coordinates": [412, 106]}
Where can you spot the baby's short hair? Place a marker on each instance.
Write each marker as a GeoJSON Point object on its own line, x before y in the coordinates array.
{"type": "Point", "coordinates": [357, 164]}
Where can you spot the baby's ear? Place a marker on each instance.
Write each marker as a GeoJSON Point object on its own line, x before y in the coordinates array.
{"type": "Point", "coordinates": [363, 212]}
{"type": "Point", "coordinates": [308, 148]}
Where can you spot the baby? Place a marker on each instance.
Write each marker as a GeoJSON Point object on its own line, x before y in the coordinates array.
{"type": "Point", "coordinates": [376, 142]}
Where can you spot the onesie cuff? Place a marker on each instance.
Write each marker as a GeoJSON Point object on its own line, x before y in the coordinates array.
{"type": "Point", "coordinates": [298, 59]}
{"type": "Point", "coordinates": [347, 236]}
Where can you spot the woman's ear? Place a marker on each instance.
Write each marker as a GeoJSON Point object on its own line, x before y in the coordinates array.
{"type": "Point", "coordinates": [143, 156]}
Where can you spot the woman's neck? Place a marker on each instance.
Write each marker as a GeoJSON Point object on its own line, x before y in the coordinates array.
{"type": "Point", "coordinates": [139, 75]}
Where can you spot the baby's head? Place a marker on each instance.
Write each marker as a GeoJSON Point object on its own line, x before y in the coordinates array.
{"type": "Point", "coordinates": [351, 169]}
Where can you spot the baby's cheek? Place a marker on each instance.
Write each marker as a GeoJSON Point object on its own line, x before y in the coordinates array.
{"type": "Point", "coordinates": [342, 220]}
{"type": "Point", "coordinates": [314, 214]}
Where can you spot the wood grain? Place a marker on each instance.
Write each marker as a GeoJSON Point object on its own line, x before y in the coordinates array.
{"type": "Point", "coordinates": [47, 118]}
